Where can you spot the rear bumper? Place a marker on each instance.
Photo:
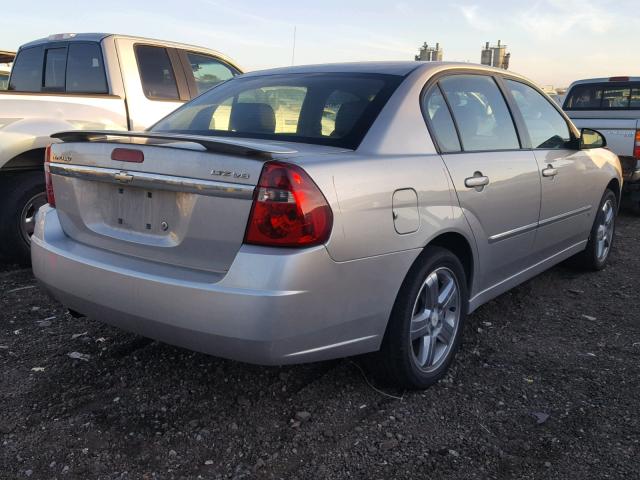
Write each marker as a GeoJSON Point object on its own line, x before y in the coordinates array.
{"type": "Point", "coordinates": [273, 306]}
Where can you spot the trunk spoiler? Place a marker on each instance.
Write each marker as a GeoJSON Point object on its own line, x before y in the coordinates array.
{"type": "Point", "coordinates": [229, 146]}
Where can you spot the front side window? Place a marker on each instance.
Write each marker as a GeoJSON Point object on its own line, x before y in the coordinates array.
{"type": "Point", "coordinates": [85, 69]}
{"type": "Point", "coordinates": [208, 71]}
{"type": "Point", "coordinates": [329, 109]}
{"type": "Point", "coordinates": [26, 74]}
{"type": "Point", "coordinates": [480, 112]}
{"type": "Point", "coordinates": [441, 122]}
{"type": "Point", "coordinates": [547, 128]}
{"type": "Point", "coordinates": [55, 68]}
{"type": "Point", "coordinates": [156, 73]}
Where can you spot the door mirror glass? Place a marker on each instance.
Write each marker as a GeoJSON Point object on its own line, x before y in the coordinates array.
{"type": "Point", "coordinates": [591, 139]}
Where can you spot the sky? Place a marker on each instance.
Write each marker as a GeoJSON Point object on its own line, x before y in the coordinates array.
{"type": "Point", "coordinates": [553, 42]}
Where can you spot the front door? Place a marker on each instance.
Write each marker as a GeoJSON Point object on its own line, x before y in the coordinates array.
{"type": "Point", "coordinates": [565, 212]}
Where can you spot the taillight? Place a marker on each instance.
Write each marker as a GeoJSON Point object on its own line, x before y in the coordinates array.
{"type": "Point", "coordinates": [636, 148]}
{"type": "Point", "coordinates": [289, 210]}
{"type": "Point", "coordinates": [51, 199]}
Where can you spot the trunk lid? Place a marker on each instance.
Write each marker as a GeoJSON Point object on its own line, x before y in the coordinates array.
{"type": "Point", "coordinates": [186, 204]}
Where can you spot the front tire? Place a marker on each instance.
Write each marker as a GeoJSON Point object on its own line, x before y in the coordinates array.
{"type": "Point", "coordinates": [596, 254]}
{"type": "Point", "coordinates": [21, 195]}
{"type": "Point", "coordinates": [425, 327]}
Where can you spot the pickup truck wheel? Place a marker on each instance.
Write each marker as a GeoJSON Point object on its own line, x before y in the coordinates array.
{"type": "Point", "coordinates": [595, 256]}
{"type": "Point", "coordinates": [425, 327]}
{"type": "Point", "coordinates": [21, 195]}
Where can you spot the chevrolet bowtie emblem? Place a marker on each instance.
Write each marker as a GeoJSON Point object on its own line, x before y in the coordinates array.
{"type": "Point", "coordinates": [123, 177]}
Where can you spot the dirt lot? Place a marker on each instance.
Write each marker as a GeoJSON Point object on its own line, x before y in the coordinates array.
{"type": "Point", "coordinates": [547, 386]}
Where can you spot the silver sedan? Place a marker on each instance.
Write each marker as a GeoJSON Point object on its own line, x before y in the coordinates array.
{"type": "Point", "coordinates": [308, 213]}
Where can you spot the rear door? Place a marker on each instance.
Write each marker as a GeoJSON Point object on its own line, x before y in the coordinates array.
{"type": "Point", "coordinates": [566, 172]}
{"type": "Point", "coordinates": [497, 183]}
{"type": "Point", "coordinates": [154, 81]}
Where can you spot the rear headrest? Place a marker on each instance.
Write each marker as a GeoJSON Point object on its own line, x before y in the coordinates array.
{"type": "Point", "coordinates": [347, 116]}
{"type": "Point", "coordinates": [252, 118]}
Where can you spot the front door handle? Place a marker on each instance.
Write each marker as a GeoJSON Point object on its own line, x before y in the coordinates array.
{"type": "Point", "coordinates": [478, 181]}
{"type": "Point", "coordinates": [550, 171]}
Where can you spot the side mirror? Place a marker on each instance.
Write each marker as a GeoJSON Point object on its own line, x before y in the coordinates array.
{"type": "Point", "coordinates": [591, 139]}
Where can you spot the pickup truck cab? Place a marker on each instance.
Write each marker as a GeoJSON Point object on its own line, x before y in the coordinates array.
{"type": "Point", "coordinates": [6, 59]}
{"type": "Point", "coordinates": [79, 81]}
{"type": "Point", "coordinates": [612, 107]}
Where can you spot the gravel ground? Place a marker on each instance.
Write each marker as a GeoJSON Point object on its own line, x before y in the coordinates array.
{"type": "Point", "coordinates": [546, 386]}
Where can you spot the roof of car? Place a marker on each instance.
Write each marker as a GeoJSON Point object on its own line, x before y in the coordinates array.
{"type": "Point", "coordinates": [390, 68]}
{"type": "Point", "coordinates": [68, 37]}
{"type": "Point", "coordinates": [98, 37]}
{"type": "Point", "coordinates": [617, 79]}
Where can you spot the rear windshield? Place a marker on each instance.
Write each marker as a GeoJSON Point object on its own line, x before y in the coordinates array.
{"type": "Point", "coordinates": [604, 96]}
{"type": "Point", "coordinates": [327, 109]}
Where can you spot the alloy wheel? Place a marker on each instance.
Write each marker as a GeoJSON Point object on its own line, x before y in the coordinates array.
{"type": "Point", "coordinates": [435, 319]}
{"type": "Point", "coordinates": [604, 232]}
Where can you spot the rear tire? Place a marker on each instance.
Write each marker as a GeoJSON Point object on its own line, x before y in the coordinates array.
{"type": "Point", "coordinates": [595, 255]}
{"type": "Point", "coordinates": [21, 194]}
{"type": "Point", "coordinates": [426, 323]}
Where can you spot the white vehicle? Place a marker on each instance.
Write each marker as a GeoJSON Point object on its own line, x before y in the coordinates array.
{"type": "Point", "coordinates": [86, 81]}
{"type": "Point", "coordinates": [6, 59]}
{"type": "Point", "coordinates": [612, 106]}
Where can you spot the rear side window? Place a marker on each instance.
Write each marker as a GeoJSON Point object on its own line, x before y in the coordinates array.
{"type": "Point", "coordinates": [603, 96]}
{"type": "Point", "coordinates": [441, 122]}
{"type": "Point", "coordinates": [156, 73]}
{"type": "Point", "coordinates": [328, 109]}
{"type": "Point", "coordinates": [547, 128]}
{"type": "Point", "coordinates": [26, 74]}
{"type": "Point", "coordinates": [85, 69]}
{"type": "Point", "coordinates": [208, 71]}
{"type": "Point", "coordinates": [480, 112]}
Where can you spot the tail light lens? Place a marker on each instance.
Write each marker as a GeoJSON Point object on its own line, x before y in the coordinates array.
{"type": "Point", "coordinates": [636, 148]}
{"type": "Point", "coordinates": [288, 209]}
{"type": "Point", "coordinates": [51, 199]}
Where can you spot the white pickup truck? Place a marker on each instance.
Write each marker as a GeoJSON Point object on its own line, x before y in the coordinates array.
{"type": "Point", "coordinates": [612, 106]}
{"type": "Point", "coordinates": [86, 81]}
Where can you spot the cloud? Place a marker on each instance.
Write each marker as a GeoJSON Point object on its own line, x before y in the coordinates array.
{"type": "Point", "coordinates": [474, 18]}
{"type": "Point", "coordinates": [552, 18]}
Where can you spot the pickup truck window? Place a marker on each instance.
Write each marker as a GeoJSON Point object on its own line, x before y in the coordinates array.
{"type": "Point", "coordinates": [208, 71]}
{"type": "Point", "coordinates": [85, 69]}
{"type": "Point", "coordinates": [547, 128]}
{"type": "Point", "coordinates": [26, 75]}
{"type": "Point", "coordinates": [604, 96]}
{"type": "Point", "coordinates": [55, 68]}
{"type": "Point", "coordinates": [156, 73]}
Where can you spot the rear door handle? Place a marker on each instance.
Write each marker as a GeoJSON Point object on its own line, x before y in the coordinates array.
{"type": "Point", "coordinates": [478, 181]}
{"type": "Point", "coordinates": [550, 171]}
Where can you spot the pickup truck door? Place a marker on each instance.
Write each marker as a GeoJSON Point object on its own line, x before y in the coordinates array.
{"type": "Point", "coordinates": [566, 173]}
{"type": "Point", "coordinates": [497, 183]}
{"type": "Point", "coordinates": [154, 81]}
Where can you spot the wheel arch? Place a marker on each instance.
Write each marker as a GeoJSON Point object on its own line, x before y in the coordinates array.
{"type": "Point", "coordinates": [460, 246]}
{"type": "Point", "coordinates": [614, 186]}
{"type": "Point", "coordinates": [28, 160]}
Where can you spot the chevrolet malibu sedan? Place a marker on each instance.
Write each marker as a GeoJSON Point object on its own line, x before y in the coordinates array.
{"type": "Point", "coordinates": [309, 213]}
